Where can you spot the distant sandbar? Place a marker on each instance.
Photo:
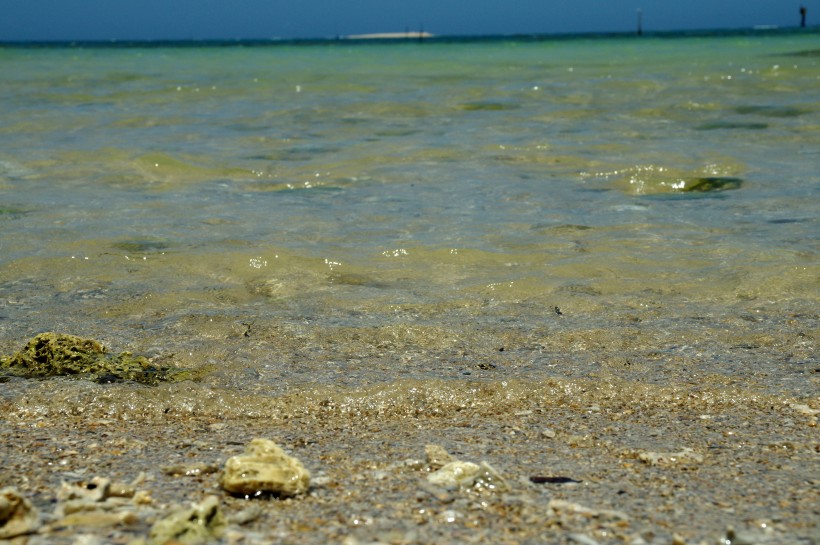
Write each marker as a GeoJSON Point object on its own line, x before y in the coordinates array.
{"type": "Point", "coordinates": [390, 36]}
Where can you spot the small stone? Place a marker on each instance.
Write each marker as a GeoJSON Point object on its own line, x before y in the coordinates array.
{"type": "Point", "coordinates": [437, 457]}
{"type": "Point", "coordinates": [468, 475]}
{"type": "Point", "coordinates": [264, 468]}
{"type": "Point", "coordinates": [455, 475]}
{"type": "Point", "coordinates": [677, 539]}
{"type": "Point", "coordinates": [200, 523]}
{"type": "Point", "coordinates": [582, 539]}
{"type": "Point", "coordinates": [802, 408]}
{"type": "Point", "coordinates": [17, 515]}
{"type": "Point", "coordinates": [449, 515]}
{"type": "Point", "coordinates": [87, 539]}
{"type": "Point", "coordinates": [687, 456]}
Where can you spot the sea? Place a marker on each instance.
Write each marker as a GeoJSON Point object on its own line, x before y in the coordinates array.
{"type": "Point", "coordinates": [389, 215]}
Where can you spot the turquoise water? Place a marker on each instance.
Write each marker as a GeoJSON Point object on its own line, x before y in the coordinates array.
{"type": "Point", "coordinates": [346, 214]}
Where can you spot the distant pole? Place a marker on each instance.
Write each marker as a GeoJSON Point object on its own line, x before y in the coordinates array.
{"type": "Point", "coordinates": [802, 16]}
{"type": "Point", "coordinates": [640, 22]}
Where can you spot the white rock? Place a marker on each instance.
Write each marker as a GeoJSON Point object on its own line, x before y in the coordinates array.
{"type": "Point", "coordinates": [582, 539]}
{"type": "Point", "coordinates": [455, 474]}
{"type": "Point", "coordinates": [802, 408]}
{"type": "Point", "coordinates": [468, 475]}
{"type": "Point", "coordinates": [87, 539]}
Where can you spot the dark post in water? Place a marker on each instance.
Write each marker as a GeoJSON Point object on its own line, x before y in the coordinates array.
{"type": "Point", "coordinates": [640, 22]}
{"type": "Point", "coordinates": [803, 16]}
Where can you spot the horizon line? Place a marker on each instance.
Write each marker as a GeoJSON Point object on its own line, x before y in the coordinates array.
{"type": "Point", "coordinates": [415, 36]}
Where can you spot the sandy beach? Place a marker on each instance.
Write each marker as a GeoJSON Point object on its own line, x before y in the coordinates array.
{"type": "Point", "coordinates": [581, 461]}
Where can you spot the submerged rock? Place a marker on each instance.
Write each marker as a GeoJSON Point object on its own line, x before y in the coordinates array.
{"type": "Point", "coordinates": [199, 523]}
{"type": "Point", "coordinates": [487, 106]}
{"type": "Point", "coordinates": [264, 468]}
{"type": "Point", "coordinates": [660, 180]}
{"type": "Point", "coordinates": [17, 515]}
{"type": "Point", "coordinates": [712, 183]}
{"type": "Point", "coordinates": [60, 354]}
{"type": "Point", "coordinates": [141, 246]}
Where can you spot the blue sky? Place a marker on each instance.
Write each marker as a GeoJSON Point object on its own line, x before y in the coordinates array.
{"type": "Point", "coordinates": [229, 19]}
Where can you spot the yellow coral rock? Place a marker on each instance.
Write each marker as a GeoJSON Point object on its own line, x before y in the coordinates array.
{"type": "Point", "coordinates": [264, 468]}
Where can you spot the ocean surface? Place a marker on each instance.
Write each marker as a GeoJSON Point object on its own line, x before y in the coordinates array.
{"type": "Point", "coordinates": [353, 216]}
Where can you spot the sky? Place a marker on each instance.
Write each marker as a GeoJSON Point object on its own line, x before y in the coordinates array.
{"type": "Point", "coordinates": [263, 19]}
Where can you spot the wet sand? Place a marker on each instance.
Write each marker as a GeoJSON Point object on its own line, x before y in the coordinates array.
{"type": "Point", "coordinates": [752, 469]}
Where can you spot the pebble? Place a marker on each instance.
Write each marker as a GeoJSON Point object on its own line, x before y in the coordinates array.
{"type": "Point", "coordinates": [582, 539]}
{"type": "Point", "coordinates": [466, 475]}
{"type": "Point", "coordinates": [685, 456]}
{"type": "Point", "coordinates": [455, 475]}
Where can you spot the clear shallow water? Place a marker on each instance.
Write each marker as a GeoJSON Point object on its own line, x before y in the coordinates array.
{"type": "Point", "coordinates": [347, 215]}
